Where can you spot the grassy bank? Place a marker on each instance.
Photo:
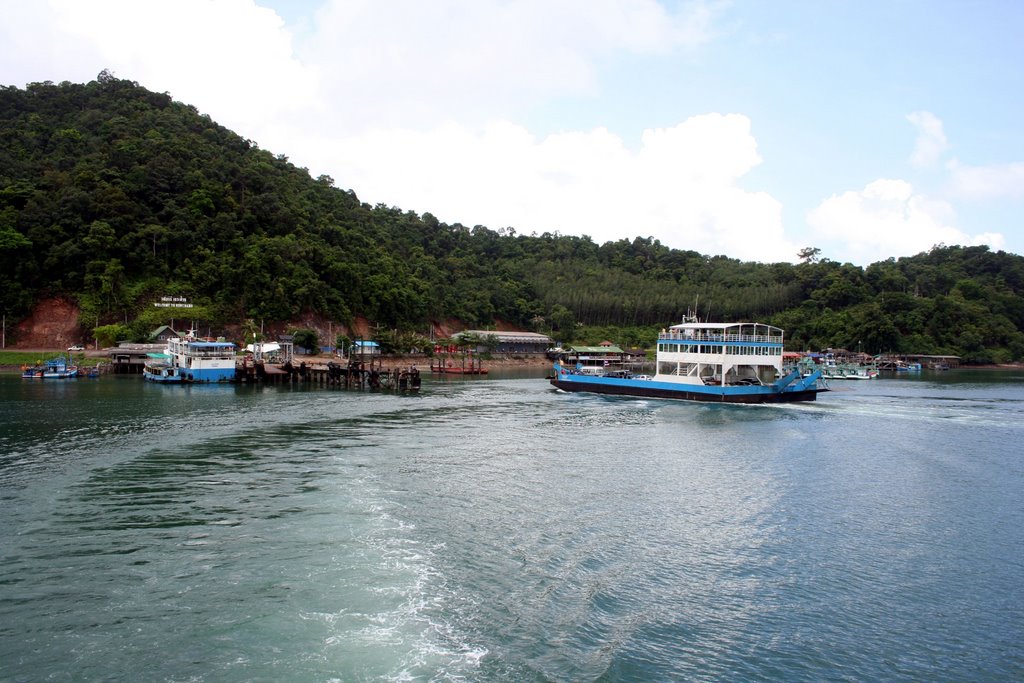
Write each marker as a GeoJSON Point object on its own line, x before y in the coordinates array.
{"type": "Point", "coordinates": [16, 359]}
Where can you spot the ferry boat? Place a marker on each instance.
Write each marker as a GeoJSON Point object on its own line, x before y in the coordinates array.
{"type": "Point", "coordinates": [188, 359]}
{"type": "Point", "coordinates": [717, 362]}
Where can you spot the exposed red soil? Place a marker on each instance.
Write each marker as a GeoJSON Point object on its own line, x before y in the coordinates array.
{"type": "Point", "coordinates": [52, 325]}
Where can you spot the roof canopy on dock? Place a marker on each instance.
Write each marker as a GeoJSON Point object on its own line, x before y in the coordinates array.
{"type": "Point", "coordinates": [508, 342]}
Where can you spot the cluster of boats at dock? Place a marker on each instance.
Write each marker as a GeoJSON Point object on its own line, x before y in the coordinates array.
{"type": "Point", "coordinates": [189, 359]}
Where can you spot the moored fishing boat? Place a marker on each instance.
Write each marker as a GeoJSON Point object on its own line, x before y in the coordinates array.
{"type": "Point", "coordinates": [849, 371]}
{"type": "Point", "coordinates": [188, 359]}
{"type": "Point", "coordinates": [718, 362]}
{"type": "Point", "coordinates": [59, 367]}
{"type": "Point", "coordinates": [32, 371]}
{"type": "Point", "coordinates": [160, 369]}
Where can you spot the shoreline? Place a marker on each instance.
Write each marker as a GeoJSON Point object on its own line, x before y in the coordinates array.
{"type": "Point", "coordinates": [386, 362]}
{"type": "Point", "coordinates": [421, 362]}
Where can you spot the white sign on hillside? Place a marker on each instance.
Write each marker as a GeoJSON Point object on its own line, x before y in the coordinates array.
{"type": "Point", "coordinates": [173, 302]}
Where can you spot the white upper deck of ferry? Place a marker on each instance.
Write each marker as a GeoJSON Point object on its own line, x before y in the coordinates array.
{"type": "Point", "coordinates": [756, 333]}
{"type": "Point", "coordinates": [719, 353]}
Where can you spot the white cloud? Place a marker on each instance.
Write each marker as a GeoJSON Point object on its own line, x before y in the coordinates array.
{"type": "Point", "coordinates": [229, 58]}
{"type": "Point", "coordinates": [680, 186]}
{"type": "Point", "coordinates": [987, 182]}
{"type": "Point", "coordinates": [32, 49]}
{"type": "Point", "coordinates": [414, 64]}
{"type": "Point", "coordinates": [931, 141]}
{"type": "Point", "coordinates": [887, 219]}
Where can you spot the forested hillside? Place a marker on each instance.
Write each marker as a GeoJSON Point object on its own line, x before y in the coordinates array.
{"type": "Point", "coordinates": [114, 196]}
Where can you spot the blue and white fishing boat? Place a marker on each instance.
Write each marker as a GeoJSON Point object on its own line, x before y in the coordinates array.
{"type": "Point", "coordinates": [718, 362]}
{"type": "Point", "coordinates": [59, 367]}
{"type": "Point", "coordinates": [188, 359]}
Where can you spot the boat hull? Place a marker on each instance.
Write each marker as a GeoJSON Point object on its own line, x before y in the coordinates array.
{"type": "Point", "coordinates": [795, 390]}
{"type": "Point", "coordinates": [159, 378]}
{"type": "Point", "coordinates": [61, 374]}
{"type": "Point", "coordinates": [174, 375]}
{"type": "Point", "coordinates": [210, 375]}
{"type": "Point", "coordinates": [720, 396]}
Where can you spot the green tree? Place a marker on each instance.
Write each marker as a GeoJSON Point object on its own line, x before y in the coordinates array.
{"type": "Point", "coordinates": [564, 321]}
{"type": "Point", "coordinates": [109, 335]}
{"type": "Point", "coordinates": [306, 338]}
{"type": "Point", "coordinates": [809, 254]}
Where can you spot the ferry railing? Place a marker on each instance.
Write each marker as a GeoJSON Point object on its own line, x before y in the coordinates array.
{"type": "Point", "coordinates": [701, 337]}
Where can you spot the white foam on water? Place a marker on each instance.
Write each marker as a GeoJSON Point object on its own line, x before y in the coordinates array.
{"type": "Point", "coordinates": [398, 626]}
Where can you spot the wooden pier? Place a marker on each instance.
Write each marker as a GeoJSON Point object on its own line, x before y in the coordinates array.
{"type": "Point", "coordinates": [467, 366]}
{"type": "Point", "coordinates": [358, 372]}
{"type": "Point", "coordinates": [352, 375]}
{"type": "Point", "coordinates": [897, 361]}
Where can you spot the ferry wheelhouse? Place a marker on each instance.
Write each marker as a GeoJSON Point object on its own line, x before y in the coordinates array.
{"type": "Point", "coordinates": [187, 359]}
{"type": "Point", "coordinates": [721, 362]}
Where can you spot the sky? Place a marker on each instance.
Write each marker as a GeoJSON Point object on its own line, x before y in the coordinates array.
{"type": "Point", "coordinates": [871, 130]}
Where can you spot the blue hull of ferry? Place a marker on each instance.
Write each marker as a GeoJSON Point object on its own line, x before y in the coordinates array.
{"type": "Point", "coordinates": [787, 390]}
{"type": "Point", "coordinates": [195, 376]}
{"type": "Point", "coordinates": [212, 375]}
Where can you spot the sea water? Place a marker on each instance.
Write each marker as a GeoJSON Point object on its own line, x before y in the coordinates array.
{"type": "Point", "coordinates": [495, 529]}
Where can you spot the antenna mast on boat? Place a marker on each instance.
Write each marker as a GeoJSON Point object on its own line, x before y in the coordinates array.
{"type": "Point", "coordinates": [692, 316]}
